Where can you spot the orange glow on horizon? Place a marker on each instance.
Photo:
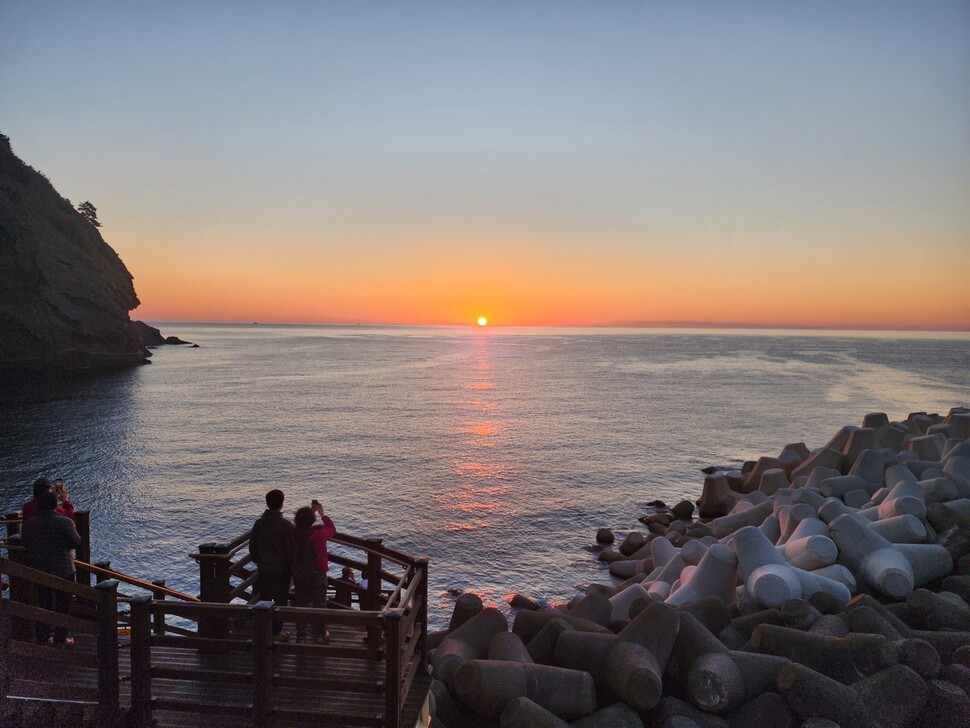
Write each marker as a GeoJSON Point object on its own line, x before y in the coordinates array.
{"type": "Point", "coordinates": [547, 281]}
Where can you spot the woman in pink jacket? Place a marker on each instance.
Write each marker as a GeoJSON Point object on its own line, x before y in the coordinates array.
{"type": "Point", "coordinates": [310, 563]}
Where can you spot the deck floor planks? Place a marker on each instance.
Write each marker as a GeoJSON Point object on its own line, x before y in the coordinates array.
{"type": "Point", "coordinates": [313, 687]}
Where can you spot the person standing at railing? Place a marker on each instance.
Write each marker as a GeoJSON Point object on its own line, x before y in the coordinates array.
{"type": "Point", "coordinates": [43, 485]}
{"type": "Point", "coordinates": [271, 546]}
{"type": "Point", "coordinates": [50, 540]}
{"type": "Point", "coordinates": [310, 564]}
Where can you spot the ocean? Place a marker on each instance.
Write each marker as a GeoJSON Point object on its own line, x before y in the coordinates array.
{"type": "Point", "coordinates": [496, 452]}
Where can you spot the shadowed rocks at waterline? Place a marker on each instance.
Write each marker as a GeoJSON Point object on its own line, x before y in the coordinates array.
{"type": "Point", "coordinates": [822, 587]}
{"type": "Point", "coordinates": [152, 337]}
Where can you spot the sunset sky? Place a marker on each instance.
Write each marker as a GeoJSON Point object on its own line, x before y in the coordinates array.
{"type": "Point", "coordinates": [538, 163]}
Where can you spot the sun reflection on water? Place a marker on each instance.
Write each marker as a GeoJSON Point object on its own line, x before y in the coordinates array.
{"type": "Point", "coordinates": [481, 477]}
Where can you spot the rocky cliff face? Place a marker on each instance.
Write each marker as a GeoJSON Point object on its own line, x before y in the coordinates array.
{"type": "Point", "coordinates": [64, 293]}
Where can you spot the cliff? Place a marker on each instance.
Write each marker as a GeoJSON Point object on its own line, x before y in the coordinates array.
{"type": "Point", "coordinates": [64, 293]}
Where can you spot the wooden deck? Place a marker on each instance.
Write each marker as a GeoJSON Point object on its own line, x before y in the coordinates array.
{"type": "Point", "coordinates": [311, 688]}
{"type": "Point", "coordinates": [158, 657]}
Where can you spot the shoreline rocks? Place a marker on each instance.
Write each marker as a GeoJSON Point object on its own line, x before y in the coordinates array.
{"type": "Point", "coordinates": [816, 588]}
{"type": "Point", "coordinates": [152, 337]}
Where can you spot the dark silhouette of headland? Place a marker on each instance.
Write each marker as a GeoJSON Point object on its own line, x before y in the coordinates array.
{"type": "Point", "coordinates": [64, 293]}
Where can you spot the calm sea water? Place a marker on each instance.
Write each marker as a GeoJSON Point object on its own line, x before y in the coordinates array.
{"type": "Point", "coordinates": [498, 453]}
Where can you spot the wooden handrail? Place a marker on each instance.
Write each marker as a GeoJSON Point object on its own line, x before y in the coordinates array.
{"type": "Point", "coordinates": [397, 589]}
{"type": "Point", "coordinates": [22, 571]}
{"type": "Point", "coordinates": [399, 557]}
{"type": "Point", "coordinates": [408, 596]}
{"type": "Point", "coordinates": [135, 581]}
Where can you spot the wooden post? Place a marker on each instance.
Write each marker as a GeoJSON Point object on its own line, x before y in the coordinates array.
{"type": "Point", "coordinates": [214, 563]}
{"type": "Point", "coordinates": [421, 569]}
{"type": "Point", "coordinates": [82, 520]}
{"type": "Point", "coordinates": [372, 596]}
{"type": "Point", "coordinates": [103, 564]}
{"type": "Point", "coordinates": [158, 618]}
{"type": "Point", "coordinates": [141, 645]}
{"type": "Point", "coordinates": [21, 590]}
{"type": "Point", "coordinates": [392, 668]}
{"type": "Point", "coordinates": [374, 565]}
{"type": "Point", "coordinates": [13, 523]}
{"type": "Point", "coordinates": [262, 617]}
{"type": "Point", "coordinates": [108, 678]}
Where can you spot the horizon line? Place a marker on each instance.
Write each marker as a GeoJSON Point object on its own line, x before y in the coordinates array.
{"type": "Point", "coordinates": [743, 326]}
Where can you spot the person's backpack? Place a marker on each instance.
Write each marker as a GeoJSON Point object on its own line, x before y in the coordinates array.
{"type": "Point", "coordinates": [304, 556]}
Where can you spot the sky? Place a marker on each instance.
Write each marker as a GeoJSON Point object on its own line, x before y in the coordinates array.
{"type": "Point", "coordinates": [795, 164]}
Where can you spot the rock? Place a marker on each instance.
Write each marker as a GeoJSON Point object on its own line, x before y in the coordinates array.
{"type": "Point", "coordinates": [723, 681]}
{"type": "Point", "coordinates": [524, 713]}
{"type": "Point", "coordinates": [894, 696]}
{"type": "Point", "coordinates": [618, 715]}
{"type": "Point", "coordinates": [520, 601]}
{"type": "Point", "coordinates": [717, 497]}
{"type": "Point", "coordinates": [542, 647]}
{"type": "Point", "coordinates": [928, 447]}
{"type": "Point", "coordinates": [797, 449]}
{"type": "Point", "coordinates": [772, 480]}
{"type": "Point", "coordinates": [875, 420]}
{"type": "Point", "coordinates": [825, 457]}
{"type": "Point", "coordinates": [952, 527]}
{"type": "Point", "coordinates": [684, 510]}
{"type": "Point", "coordinates": [631, 543]}
{"type": "Point", "coordinates": [947, 706]}
{"type": "Point", "coordinates": [768, 710]}
{"type": "Point", "coordinates": [811, 694]}
{"type": "Point", "coordinates": [149, 335]}
{"type": "Point", "coordinates": [469, 641]}
{"type": "Point", "coordinates": [753, 477]}
{"type": "Point", "coordinates": [959, 675]}
{"type": "Point", "coordinates": [466, 606]}
{"type": "Point", "coordinates": [152, 337]}
{"type": "Point", "coordinates": [489, 685]}
{"type": "Point", "coordinates": [65, 293]}
{"type": "Point", "coordinates": [605, 536]}
{"type": "Point", "coordinates": [610, 555]}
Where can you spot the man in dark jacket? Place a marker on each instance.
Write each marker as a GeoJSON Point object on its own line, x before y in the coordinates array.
{"type": "Point", "coordinates": [271, 546]}
{"type": "Point", "coordinates": [50, 540]}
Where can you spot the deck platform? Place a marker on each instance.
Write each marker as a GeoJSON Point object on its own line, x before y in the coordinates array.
{"type": "Point", "coordinates": [312, 688]}
{"type": "Point", "coordinates": [159, 657]}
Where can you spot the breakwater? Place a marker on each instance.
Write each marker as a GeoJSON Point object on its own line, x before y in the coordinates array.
{"type": "Point", "coordinates": [818, 588]}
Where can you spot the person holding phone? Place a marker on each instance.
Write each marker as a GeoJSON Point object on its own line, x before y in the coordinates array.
{"type": "Point", "coordinates": [50, 540]}
{"type": "Point", "coordinates": [43, 485]}
{"type": "Point", "coordinates": [310, 564]}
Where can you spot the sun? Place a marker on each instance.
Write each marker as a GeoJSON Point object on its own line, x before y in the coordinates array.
{"type": "Point", "coordinates": [482, 321]}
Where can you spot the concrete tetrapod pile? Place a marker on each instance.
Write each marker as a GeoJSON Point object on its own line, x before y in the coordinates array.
{"type": "Point", "coordinates": [818, 588]}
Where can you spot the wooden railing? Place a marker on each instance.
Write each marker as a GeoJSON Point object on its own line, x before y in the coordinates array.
{"type": "Point", "coordinates": [392, 608]}
{"type": "Point", "coordinates": [388, 617]}
{"type": "Point", "coordinates": [20, 611]}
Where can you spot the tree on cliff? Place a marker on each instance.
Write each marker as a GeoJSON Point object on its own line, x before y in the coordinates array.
{"type": "Point", "coordinates": [89, 212]}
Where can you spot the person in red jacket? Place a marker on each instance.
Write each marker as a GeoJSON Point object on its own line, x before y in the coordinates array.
{"type": "Point", "coordinates": [310, 564]}
{"type": "Point", "coordinates": [43, 485]}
